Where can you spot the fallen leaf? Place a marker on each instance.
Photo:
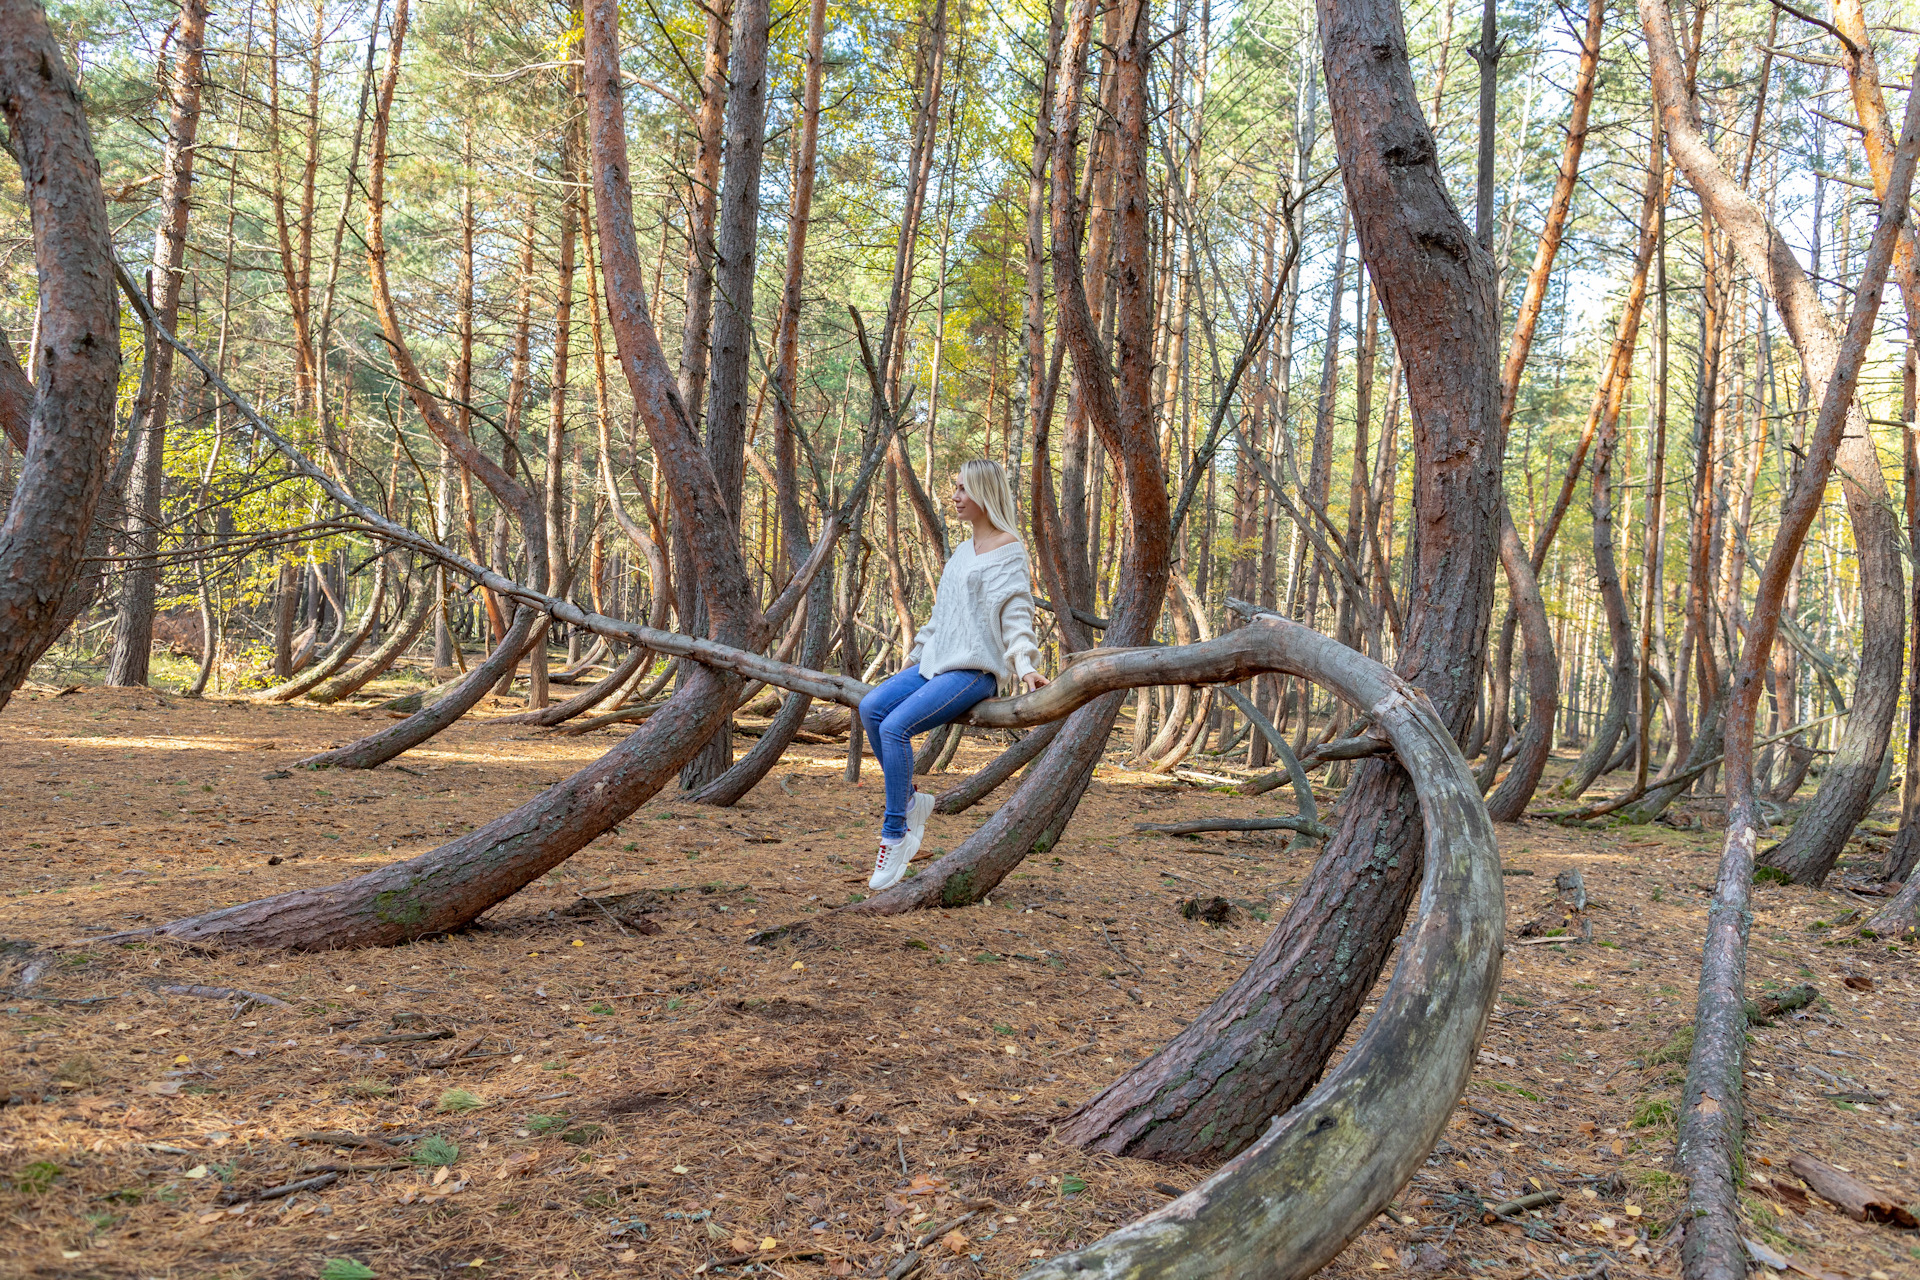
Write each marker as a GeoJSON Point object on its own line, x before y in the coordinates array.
{"type": "Point", "coordinates": [521, 1162]}
{"type": "Point", "coordinates": [1857, 982]}
{"type": "Point", "coordinates": [926, 1185]}
{"type": "Point", "coordinates": [769, 1244]}
{"type": "Point", "coordinates": [955, 1242]}
{"type": "Point", "coordinates": [441, 1174]}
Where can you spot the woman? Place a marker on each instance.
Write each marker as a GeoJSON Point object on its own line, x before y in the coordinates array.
{"type": "Point", "coordinates": [981, 632]}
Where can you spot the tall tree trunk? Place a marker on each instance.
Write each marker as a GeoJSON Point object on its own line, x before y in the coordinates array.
{"type": "Point", "coordinates": [1622, 669]}
{"type": "Point", "coordinates": [774, 740]}
{"type": "Point", "coordinates": [728, 407]}
{"type": "Point", "coordinates": [1527, 608]}
{"type": "Point", "coordinates": [76, 357]}
{"type": "Point", "coordinates": [377, 748]}
{"type": "Point", "coordinates": [1711, 1106]}
{"type": "Point", "coordinates": [1847, 787]}
{"type": "Point", "coordinates": [1263, 1042]}
{"type": "Point", "coordinates": [402, 631]}
{"type": "Point", "coordinates": [133, 620]}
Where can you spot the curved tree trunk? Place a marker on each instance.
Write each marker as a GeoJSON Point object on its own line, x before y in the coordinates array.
{"type": "Point", "coordinates": [1523, 586]}
{"type": "Point", "coordinates": [577, 671]}
{"type": "Point", "coordinates": [960, 798]}
{"type": "Point", "coordinates": [453, 884]}
{"type": "Point", "coordinates": [731, 391]}
{"type": "Point", "coordinates": [1847, 786]}
{"type": "Point", "coordinates": [748, 770]}
{"type": "Point", "coordinates": [1314, 1177]}
{"type": "Point", "coordinates": [1901, 915]}
{"type": "Point", "coordinates": [342, 652]}
{"type": "Point", "coordinates": [1509, 800]}
{"type": "Point", "coordinates": [1287, 1013]}
{"type": "Point", "coordinates": [580, 703]}
{"type": "Point", "coordinates": [1624, 677]}
{"type": "Point", "coordinates": [1500, 694]}
{"type": "Point", "coordinates": [746, 773]}
{"type": "Point", "coordinates": [16, 396]}
{"type": "Point", "coordinates": [1846, 791]}
{"type": "Point", "coordinates": [376, 749]}
{"type": "Point", "coordinates": [70, 427]}
{"type": "Point", "coordinates": [133, 624]}
{"type": "Point", "coordinates": [405, 630]}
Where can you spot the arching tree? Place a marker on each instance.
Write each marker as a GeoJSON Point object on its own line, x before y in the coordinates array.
{"type": "Point", "coordinates": [70, 424]}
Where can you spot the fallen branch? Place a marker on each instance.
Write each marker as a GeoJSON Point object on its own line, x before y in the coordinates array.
{"type": "Point", "coordinates": [406, 1037]}
{"type": "Point", "coordinates": [1854, 1198]}
{"type": "Point", "coordinates": [1305, 826]}
{"type": "Point", "coordinates": [1767, 1008]}
{"type": "Point", "coordinates": [388, 1167]}
{"type": "Point", "coordinates": [221, 993]}
{"type": "Point", "coordinates": [1302, 788]}
{"type": "Point", "coordinates": [1508, 1208]}
{"type": "Point", "coordinates": [279, 1192]}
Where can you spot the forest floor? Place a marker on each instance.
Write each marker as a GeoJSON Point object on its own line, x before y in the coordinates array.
{"type": "Point", "coordinates": [638, 1091]}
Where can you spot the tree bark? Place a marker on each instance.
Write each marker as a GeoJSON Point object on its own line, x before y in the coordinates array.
{"type": "Point", "coordinates": [745, 774]}
{"type": "Point", "coordinates": [16, 397]}
{"type": "Point", "coordinates": [77, 356]}
{"type": "Point", "coordinates": [133, 621]}
{"type": "Point", "coordinates": [1263, 1043]}
{"type": "Point", "coordinates": [1508, 803]}
{"type": "Point", "coordinates": [377, 748]}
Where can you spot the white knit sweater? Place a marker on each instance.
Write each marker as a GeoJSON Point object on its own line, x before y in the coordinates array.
{"type": "Point", "coordinates": [982, 616]}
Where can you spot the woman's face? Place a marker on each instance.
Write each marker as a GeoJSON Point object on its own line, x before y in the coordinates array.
{"type": "Point", "coordinates": [963, 503]}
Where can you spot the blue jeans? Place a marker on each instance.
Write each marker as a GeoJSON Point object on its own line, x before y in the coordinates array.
{"type": "Point", "coordinates": [903, 705]}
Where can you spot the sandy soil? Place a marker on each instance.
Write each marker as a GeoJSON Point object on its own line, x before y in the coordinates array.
{"type": "Point", "coordinates": [637, 1091]}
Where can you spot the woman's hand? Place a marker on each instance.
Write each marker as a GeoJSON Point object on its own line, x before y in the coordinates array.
{"type": "Point", "coordinates": [1033, 680]}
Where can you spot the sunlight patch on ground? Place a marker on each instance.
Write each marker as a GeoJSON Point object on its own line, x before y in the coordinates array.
{"type": "Point", "coordinates": [240, 745]}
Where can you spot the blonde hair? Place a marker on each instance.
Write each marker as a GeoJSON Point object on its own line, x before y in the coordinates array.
{"type": "Point", "coordinates": [986, 483]}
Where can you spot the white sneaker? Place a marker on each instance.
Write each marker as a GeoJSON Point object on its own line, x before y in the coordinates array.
{"type": "Point", "coordinates": [891, 862]}
{"type": "Point", "coordinates": [919, 809]}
